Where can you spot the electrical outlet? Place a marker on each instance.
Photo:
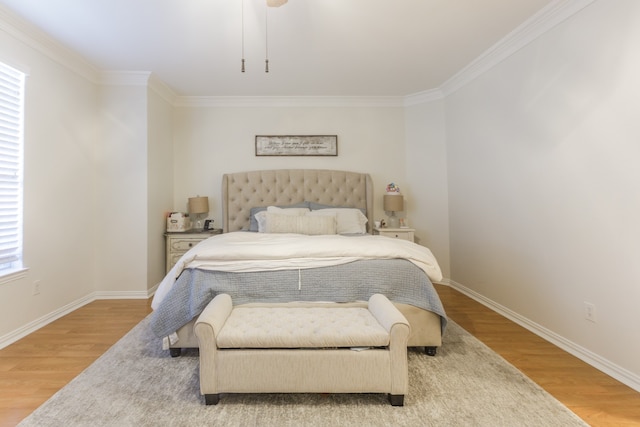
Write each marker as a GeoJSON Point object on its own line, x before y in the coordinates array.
{"type": "Point", "coordinates": [36, 287]}
{"type": "Point", "coordinates": [590, 311]}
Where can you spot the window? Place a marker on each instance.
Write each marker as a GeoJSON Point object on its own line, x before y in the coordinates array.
{"type": "Point", "coordinates": [11, 118]}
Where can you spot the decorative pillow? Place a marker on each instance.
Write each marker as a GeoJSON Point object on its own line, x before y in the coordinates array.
{"type": "Point", "coordinates": [253, 223]}
{"type": "Point", "coordinates": [317, 206]}
{"type": "Point", "coordinates": [261, 217]}
{"type": "Point", "coordinates": [288, 211]}
{"type": "Point", "coordinates": [349, 220]}
{"type": "Point", "coordinates": [300, 224]}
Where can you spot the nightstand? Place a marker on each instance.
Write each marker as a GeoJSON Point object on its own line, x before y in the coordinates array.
{"type": "Point", "coordinates": [398, 233]}
{"type": "Point", "coordinates": [178, 243]}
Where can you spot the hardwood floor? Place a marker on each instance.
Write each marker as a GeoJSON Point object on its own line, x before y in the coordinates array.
{"type": "Point", "coordinates": [34, 368]}
{"type": "Point", "coordinates": [595, 397]}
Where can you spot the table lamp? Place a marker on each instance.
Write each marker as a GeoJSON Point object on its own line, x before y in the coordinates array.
{"type": "Point", "coordinates": [393, 203]}
{"type": "Point", "coordinates": [198, 205]}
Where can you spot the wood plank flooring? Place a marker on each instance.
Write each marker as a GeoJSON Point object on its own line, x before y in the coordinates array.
{"type": "Point", "coordinates": [595, 397]}
{"type": "Point", "coordinates": [34, 368]}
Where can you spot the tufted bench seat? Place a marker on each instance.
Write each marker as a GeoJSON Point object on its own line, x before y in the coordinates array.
{"type": "Point", "coordinates": [303, 348]}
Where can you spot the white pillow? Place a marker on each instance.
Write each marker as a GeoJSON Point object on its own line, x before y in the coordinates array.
{"type": "Point", "coordinates": [288, 211]}
{"type": "Point", "coordinates": [349, 221]}
{"type": "Point", "coordinates": [300, 224]}
{"type": "Point", "coordinates": [261, 217]}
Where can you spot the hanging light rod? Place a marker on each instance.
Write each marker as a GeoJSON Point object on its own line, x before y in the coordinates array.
{"type": "Point", "coordinates": [270, 3]}
{"type": "Point", "coordinates": [242, 68]}
{"type": "Point", "coordinates": [266, 39]}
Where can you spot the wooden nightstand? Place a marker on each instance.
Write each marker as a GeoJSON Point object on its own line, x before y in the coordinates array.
{"type": "Point", "coordinates": [398, 233]}
{"type": "Point", "coordinates": [178, 243]}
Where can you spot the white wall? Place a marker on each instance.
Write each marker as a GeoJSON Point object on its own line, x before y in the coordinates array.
{"type": "Point", "coordinates": [121, 190]}
{"type": "Point", "coordinates": [544, 183]}
{"type": "Point", "coordinates": [60, 129]}
{"type": "Point", "coordinates": [160, 182]}
{"type": "Point", "coordinates": [212, 141]}
{"type": "Point", "coordinates": [426, 198]}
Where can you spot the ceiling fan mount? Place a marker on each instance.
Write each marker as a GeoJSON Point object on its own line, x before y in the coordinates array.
{"type": "Point", "coordinates": [276, 3]}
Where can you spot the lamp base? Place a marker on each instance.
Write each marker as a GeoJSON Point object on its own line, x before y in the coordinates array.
{"type": "Point", "coordinates": [394, 222]}
{"type": "Point", "coordinates": [198, 224]}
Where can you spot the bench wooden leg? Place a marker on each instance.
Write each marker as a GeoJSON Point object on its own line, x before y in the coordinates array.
{"type": "Point", "coordinates": [396, 399]}
{"type": "Point", "coordinates": [430, 351]}
{"type": "Point", "coordinates": [211, 399]}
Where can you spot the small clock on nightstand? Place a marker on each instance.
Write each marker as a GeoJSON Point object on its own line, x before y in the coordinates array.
{"type": "Point", "coordinates": [398, 233]}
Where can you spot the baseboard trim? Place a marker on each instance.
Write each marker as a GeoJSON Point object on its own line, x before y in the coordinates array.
{"type": "Point", "coordinates": [615, 371]}
{"type": "Point", "coordinates": [33, 326]}
{"type": "Point", "coordinates": [122, 295]}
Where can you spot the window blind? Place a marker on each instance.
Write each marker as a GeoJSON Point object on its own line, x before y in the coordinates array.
{"type": "Point", "coordinates": [11, 113]}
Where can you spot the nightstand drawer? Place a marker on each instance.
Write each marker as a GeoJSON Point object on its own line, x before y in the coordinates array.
{"type": "Point", "coordinates": [183, 244]}
{"type": "Point", "coordinates": [177, 244]}
{"type": "Point", "coordinates": [396, 233]}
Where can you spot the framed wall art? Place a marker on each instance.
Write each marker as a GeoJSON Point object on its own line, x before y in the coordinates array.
{"type": "Point", "coordinates": [296, 145]}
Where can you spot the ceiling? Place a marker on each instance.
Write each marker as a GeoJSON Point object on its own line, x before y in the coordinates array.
{"type": "Point", "coordinates": [315, 47]}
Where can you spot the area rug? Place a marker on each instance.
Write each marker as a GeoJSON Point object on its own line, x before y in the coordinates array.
{"type": "Point", "coordinates": [135, 383]}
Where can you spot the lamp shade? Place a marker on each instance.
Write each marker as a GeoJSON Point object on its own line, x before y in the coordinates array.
{"type": "Point", "coordinates": [393, 203]}
{"type": "Point", "coordinates": [198, 205]}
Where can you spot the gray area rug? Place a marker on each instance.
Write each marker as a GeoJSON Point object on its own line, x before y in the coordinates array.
{"type": "Point", "coordinates": [135, 383]}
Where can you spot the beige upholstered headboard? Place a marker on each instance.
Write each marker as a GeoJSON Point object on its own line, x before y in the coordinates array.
{"type": "Point", "coordinates": [242, 191]}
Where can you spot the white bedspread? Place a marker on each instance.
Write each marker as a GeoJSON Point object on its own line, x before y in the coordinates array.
{"type": "Point", "coordinates": [247, 252]}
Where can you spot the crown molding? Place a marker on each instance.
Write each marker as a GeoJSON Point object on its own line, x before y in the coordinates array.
{"type": "Point", "coordinates": [124, 78]}
{"type": "Point", "coordinates": [423, 97]}
{"type": "Point", "coordinates": [37, 39]}
{"type": "Point", "coordinates": [549, 17]}
{"type": "Point", "coordinates": [546, 19]}
{"type": "Point", "coordinates": [162, 89]}
{"type": "Point", "coordinates": [139, 78]}
{"type": "Point", "coordinates": [290, 101]}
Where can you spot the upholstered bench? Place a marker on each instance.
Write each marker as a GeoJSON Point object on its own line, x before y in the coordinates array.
{"type": "Point", "coordinates": [303, 348]}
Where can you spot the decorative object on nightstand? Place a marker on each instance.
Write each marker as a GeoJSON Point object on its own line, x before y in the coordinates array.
{"type": "Point", "coordinates": [178, 222]}
{"type": "Point", "coordinates": [198, 205]}
{"type": "Point", "coordinates": [393, 202]}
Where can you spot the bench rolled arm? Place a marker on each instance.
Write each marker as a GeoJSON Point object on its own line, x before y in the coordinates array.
{"type": "Point", "coordinates": [215, 314]}
{"type": "Point", "coordinates": [207, 328]}
{"type": "Point", "coordinates": [399, 330]}
{"type": "Point", "coordinates": [385, 312]}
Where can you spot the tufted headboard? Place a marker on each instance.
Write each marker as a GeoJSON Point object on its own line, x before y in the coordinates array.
{"type": "Point", "coordinates": [242, 191]}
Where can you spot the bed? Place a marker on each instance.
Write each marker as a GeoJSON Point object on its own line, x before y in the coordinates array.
{"type": "Point", "coordinates": [258, 207]}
